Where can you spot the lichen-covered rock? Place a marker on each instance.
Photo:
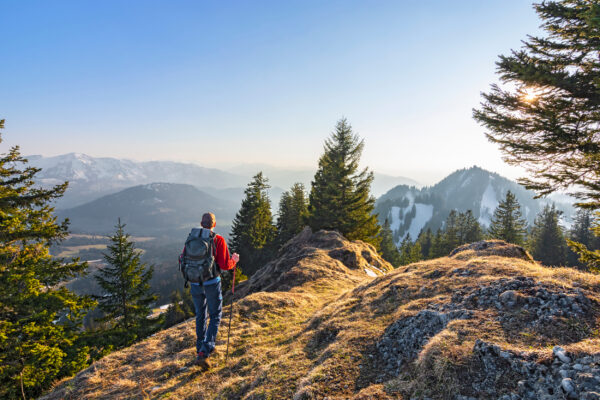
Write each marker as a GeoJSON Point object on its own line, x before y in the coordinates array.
{"type": "Point", "coordinates": [402, 340]}
{"type": "Point", "coordinates": [538, 303]}
{"type": "Point", "coordinates": [490, 248]}
{"type": "Point", "coordinates": [560, 378]}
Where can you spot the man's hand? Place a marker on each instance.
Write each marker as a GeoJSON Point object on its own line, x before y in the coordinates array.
{"type": "Point", "coordinates": [235, 257]}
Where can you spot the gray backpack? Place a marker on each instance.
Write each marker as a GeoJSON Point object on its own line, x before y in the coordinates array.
{"type": "Point", "coordinates": [198, 264]}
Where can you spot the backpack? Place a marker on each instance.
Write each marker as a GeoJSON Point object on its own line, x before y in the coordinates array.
{"type": "Point", "coordinates": [198, 262]}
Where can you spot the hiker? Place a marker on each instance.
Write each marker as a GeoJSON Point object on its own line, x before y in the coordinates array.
{"type": "Point", "coordinates": [204, 255]}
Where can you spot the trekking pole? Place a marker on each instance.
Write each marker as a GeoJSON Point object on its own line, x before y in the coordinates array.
{"type": "Point", "coordinates": [230, 313]}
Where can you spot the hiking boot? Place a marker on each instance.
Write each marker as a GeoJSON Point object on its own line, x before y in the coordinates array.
{"type": "Point", "coordinates": [202, 361]}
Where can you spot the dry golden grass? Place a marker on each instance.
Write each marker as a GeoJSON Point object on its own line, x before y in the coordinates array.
{"type": "Point", "coordinates": [316, 337]}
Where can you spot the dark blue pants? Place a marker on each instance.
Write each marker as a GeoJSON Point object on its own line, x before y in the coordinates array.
{"type": "Point", "coordinates": [205, 298]}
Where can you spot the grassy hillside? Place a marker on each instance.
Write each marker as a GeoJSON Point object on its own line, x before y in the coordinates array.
{"type": "Point", "coordinates": [486, 322]}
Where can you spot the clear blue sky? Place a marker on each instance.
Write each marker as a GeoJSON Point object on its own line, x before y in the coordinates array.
{"type": "Point", "coordinates": [256, 81]}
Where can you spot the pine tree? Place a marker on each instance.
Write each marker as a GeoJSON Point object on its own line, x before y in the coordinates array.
{"type": "Point", "coordinates": [253, 232]}
{"type": "Point", "coordinates": [546, 117]}
{"type": "Point", "coordinates": [125, 282]}
{"type": "Point", "coordinates": [547, 242]}
{"type": "Point", "coordinates": [40, 320]}
{"type": "Point", "coordinates": [227, 277]}
{"type": "Point", "coordinates": [469, 229]}
{"type": "Point", "coordinates": [507, 223]}
{"type": "Point", "coordinates": [175, 313]}
{"type": "Point", "coordinates": [340, 196]}
{"type": "Point", "coordinates": [293, 209]}
{"type": "Point", "coordinates": [416, 252]}
{"type": "Point", "coordinates": [188, 303]}
{"type": "Point", "coordinates": [589, 257]}
{"type": "Point", "coordinates": [451, 236]}
{"type": "Point", "coordinates": [409, 252]}
{"type": "Point", "coordinates": [437, 245]}
{"type": "Point", "coordinates": [581, 232]}
{"type": "Point", "coordinates": [387, 247]}
{"type": "Point", "coordinates": [181, 308]}
{"type": "Point", "coordinates": [425, 240]}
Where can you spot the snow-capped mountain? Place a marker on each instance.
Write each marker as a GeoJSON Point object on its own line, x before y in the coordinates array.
{"type": "Point", "coordinates": [409, 209]}
{"type": "Point", "coordinates": [90, 177]}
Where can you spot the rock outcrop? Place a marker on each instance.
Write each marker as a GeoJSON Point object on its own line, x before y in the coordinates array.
{"type": "Point", "coordinates": [490, 248]}
{"type": "Point", "coordinates": [314, 258]}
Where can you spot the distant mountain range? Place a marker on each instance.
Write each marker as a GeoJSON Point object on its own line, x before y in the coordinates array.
{"type": "Point", "coordinates": [91, 178]}
{"type": "Point", "coordinates": [410, 209]}
{"type": "Point", "coordinates": [285, 178]}
{"type": "Point", "coordinates": [102, 189]}
{"type": "Point", "coordinates": [156, 209]}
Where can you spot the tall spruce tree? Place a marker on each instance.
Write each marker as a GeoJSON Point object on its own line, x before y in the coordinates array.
{"type": "Point", "coordinates": [125, 281]}
{"type": "Point", "coordinates": [546, 118]}
{"type": "Point", "coordinates": [293, 209]}
{"type": "Point", "coordinates": [387, 247]}
{"type": "Point", "coordinates": [507, 223]}
{"type": "Point", "coordinates": [340, 196]}
{"type": "Point", "coordinates": [40, 319]}
{"type": "Point", "coordinates": [547, 242]}
{"type": "Point", "coordinates": [253, 232]}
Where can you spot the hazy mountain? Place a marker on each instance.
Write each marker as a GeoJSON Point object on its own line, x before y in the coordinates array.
{"type": "Point", "coordinates": [235, 195]}
{"type": "Point", "coordinates": [157, 209]}
{"type": "Point", "coordinates": [90, 178]}
{"type": "Point", "coordinates": [285, 178]}
{"type": "Point", "coordinates": [410, 209]}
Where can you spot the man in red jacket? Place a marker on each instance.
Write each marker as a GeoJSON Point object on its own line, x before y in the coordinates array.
{"type": "Point", "coordinates": [207, 295]}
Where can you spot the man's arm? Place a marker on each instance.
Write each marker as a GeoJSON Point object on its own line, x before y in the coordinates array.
{"type": "Point", "coordinates": [224, 260]}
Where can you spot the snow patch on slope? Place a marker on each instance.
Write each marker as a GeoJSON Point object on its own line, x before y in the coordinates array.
{"type": "Point", "coordinates": [489, 202]}
{"type": "Point", "coordinates": [395, 219]}
{"type": "Point", "coordinates": [424, 214]}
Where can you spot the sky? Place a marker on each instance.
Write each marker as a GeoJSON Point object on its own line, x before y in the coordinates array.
{"type": "Point", "coordinates": [222, 83]}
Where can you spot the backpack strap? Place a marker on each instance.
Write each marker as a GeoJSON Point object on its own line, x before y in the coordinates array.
{"type": "Point", "coordinates": [213, 244]}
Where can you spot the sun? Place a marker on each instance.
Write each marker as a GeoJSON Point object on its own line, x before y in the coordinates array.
{"type": "Point", "coordinates": [530, 94]}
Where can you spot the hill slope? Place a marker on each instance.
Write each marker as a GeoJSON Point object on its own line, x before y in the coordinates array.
{"type": "Point", "coordinates": [152, 209]}
{"type": "Point", "coordinates": [315, 324]}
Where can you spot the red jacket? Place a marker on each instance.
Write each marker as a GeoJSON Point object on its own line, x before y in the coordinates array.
{"type": "Point", "coordinates": [221, 254]}
{"type": "Point", "coordinates": [222, 257]}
